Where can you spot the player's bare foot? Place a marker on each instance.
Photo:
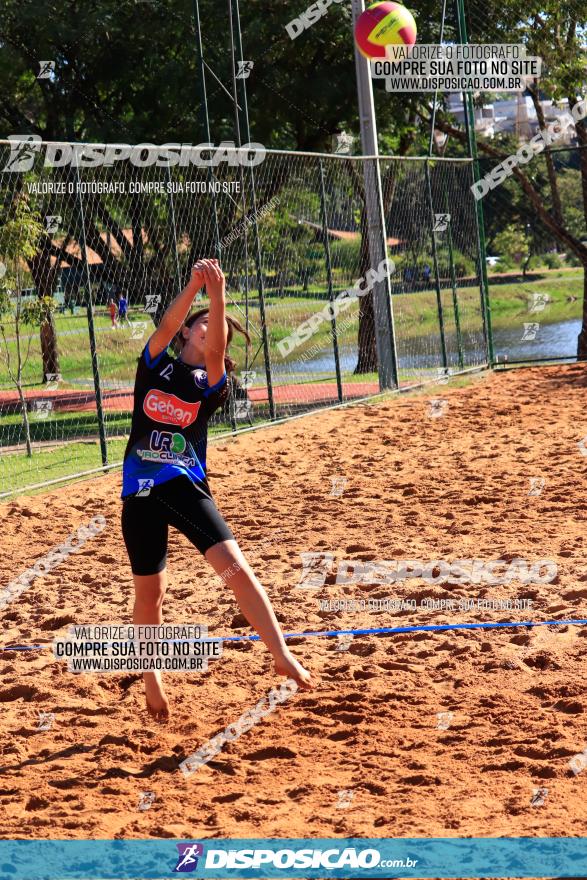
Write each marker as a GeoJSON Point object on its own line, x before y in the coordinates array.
{"type": "Point", "coordinates": [157, 702]}
{"type": "Point", "coordinates": [288, 665]}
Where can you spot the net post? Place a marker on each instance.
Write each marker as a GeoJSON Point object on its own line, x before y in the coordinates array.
{"type": "Point", "coordinates": [205, 118]}
{"type": "Point", "coordinates": [453, 281]}
{"type": "Point", "coordinates": [382, 305]}
{"type": "Point", "coordinates": [91, 329]}
{"type": "Point", "coordinates": [436, 270]}
{"type": "Point", "coordinates": [329, 277]}
{"type": "Point", "coordinates": [235, 22]}
{"type": "Point", "coordinates": [475, 174]}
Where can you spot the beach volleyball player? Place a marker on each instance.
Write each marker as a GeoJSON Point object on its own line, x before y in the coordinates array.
{"type": "Point", "coordinates": [164, 469]}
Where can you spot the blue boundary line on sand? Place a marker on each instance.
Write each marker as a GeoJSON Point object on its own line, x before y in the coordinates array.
{"type": "Point", "coordinates": [440, 627]}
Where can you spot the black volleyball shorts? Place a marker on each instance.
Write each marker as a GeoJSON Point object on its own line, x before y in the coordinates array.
{"type": "Point", "coordinates": [178, 503]}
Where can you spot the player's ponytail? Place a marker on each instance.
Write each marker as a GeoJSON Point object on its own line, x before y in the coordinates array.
{"type": "Point", "coordinates": [233, 326]}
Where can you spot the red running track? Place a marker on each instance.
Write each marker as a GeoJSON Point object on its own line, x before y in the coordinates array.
{"type": "Point", "coordinates": [122, 400]}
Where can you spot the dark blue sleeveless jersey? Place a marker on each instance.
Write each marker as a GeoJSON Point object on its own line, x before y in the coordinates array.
{"type": "Point", "coordinates": [172, 404]}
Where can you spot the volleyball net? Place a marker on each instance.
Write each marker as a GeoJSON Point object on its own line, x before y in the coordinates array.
{"type": "Point", "coordinates": [292, 234]}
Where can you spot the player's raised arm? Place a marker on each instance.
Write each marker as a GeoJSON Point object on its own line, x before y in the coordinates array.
{"type": "Point", "coordinates": [176, 313]}
{"type": "Point", "coordinates": [217, 332]}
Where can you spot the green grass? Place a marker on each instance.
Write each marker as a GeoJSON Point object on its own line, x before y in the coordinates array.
{"type": "Point", "coordinates": [72, 455]}
{"type": "Point", "coordinates": [415, 316]}
{"type": "Point", "coordinates": [565, 290]}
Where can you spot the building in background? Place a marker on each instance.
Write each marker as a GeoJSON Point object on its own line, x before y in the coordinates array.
{"type": "Point", "coordinates": [517, 116]}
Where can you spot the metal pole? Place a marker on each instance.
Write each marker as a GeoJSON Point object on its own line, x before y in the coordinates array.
{"type": "Point", "coordinates": [481, 251]}
{"type": "Point", "coordinates": [433, 116]}
{"type": "Point", "coordinates": [436, 271]}
{"type": "Point", "coordinates": [258, 253]}
{"type": "Point", "coordinates": [329, 276]}
{"type": "Point", "coordinates": [244, 110]}
{"type": "Point", "coordinates": [174, 230]}
{"type": "Point", "coordinates": [162, 306]}
{"type": "Point", "coordinates": [205, 118]}
{"type": "Point", "coordinates": [455, 299]}
{"type": "Point", "coordinates": [92, 334]}
{"type": "Point", "coordinates": [382, 304]}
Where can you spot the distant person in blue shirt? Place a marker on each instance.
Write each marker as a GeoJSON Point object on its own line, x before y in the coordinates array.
{"type": "Point", "coordinates": [123, 308]}
{"type": "Point", "coordinates": [427, 273]}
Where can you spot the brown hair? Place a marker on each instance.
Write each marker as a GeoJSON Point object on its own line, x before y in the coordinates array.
{"type": "Point", "coordinates": [233, 324]}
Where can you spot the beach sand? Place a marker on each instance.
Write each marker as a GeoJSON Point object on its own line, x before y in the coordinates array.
{"type": "Point", "coordinates": [366, 753]}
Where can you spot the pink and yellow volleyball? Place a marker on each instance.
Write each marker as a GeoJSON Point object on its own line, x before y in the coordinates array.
{"type": "Point", "coordinates": [383, 24]}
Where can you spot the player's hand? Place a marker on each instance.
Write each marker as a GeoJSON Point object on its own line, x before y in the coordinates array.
{"type": "Point", "coordinates": [197, 276]}
{"type": "Point", "coordinates": [213, 278]}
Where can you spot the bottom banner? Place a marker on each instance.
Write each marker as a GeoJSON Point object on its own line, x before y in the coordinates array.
{"type": "Point", "coordinates": [294, 857]}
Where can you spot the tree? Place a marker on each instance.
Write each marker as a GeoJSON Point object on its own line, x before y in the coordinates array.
{"type": "Point", "coordinates": [19, 235]}
{"type": "Point", "coordinates": [555, 32]}
{"type": "Point", "coordinates": [514, 244]}
{"type": "Point", "coordinates": [108, 88]}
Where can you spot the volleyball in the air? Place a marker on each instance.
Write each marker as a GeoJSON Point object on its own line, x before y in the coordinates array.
{"type": "Point", "coordinates": [383, 24]}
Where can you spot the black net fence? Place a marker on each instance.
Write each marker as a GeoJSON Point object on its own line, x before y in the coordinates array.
{"type": "Point", "coordinates": [291, 232]}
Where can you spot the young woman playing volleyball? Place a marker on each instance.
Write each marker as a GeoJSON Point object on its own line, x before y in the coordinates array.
{"type": "Point", "coordinates": [164, 470]}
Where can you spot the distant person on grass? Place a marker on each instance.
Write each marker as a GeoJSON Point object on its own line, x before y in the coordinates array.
{"type": "Point", "coordinates": [113, 311]}
{"type": "Point", "coordinates": [427, 272]}
{"type": "Point", "coordinates": [123, 308]}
